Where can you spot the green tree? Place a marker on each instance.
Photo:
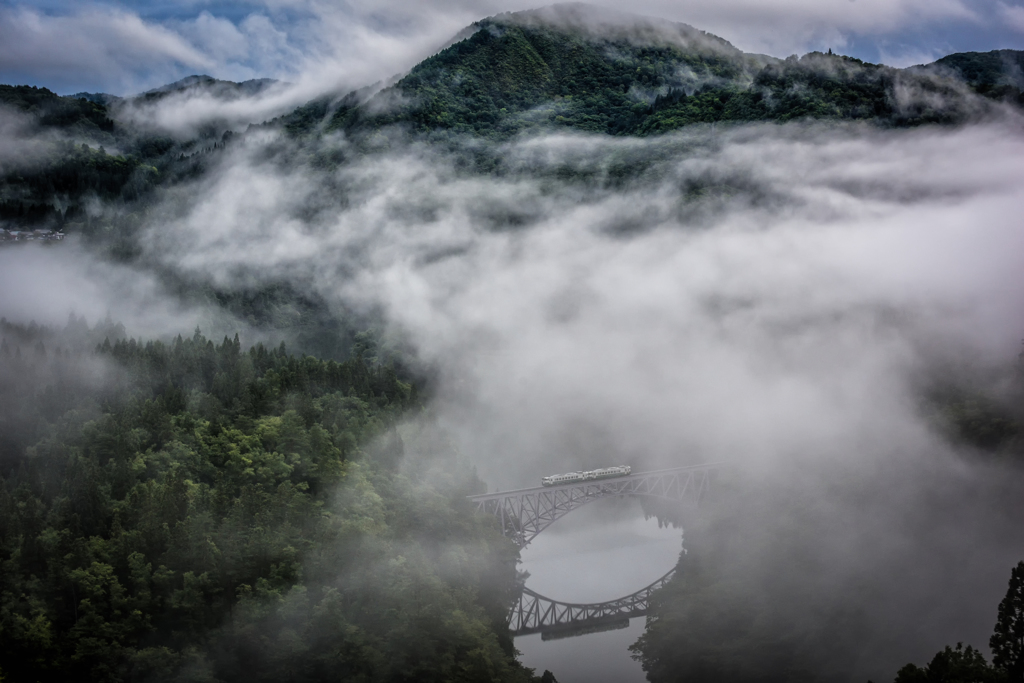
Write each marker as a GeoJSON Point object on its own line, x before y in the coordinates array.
{"type": "Point", "coordinates": [1007, 641]}
{"type": "Point", "coordinates": [960, 665]}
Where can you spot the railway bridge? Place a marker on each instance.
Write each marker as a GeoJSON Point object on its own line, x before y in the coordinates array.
{"type": "Point", "coordinates": [524, 513]}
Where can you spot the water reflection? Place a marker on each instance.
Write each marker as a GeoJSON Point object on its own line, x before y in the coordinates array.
{"type": "Point", "coordinates": [600, 552]}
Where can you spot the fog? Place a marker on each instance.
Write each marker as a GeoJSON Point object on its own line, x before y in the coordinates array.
{"type": "Point", "coordinates": [779, 272]}
{"type": "Point", "coordinates": [186, 113]}
{"type": "Point", "coordinates": [768, 296]}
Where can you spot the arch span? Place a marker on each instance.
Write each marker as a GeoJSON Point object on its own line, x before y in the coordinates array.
{"type": "Point", "coordinates": [534, 613]}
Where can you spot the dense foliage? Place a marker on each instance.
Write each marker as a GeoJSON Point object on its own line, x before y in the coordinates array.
{"type": "Point", "coordinates": [959, 665]}
{"type": "Point", "coordinates": [995, 74]}
{"type": "Point", "coordinates": [51, 110]}
{"type": "Point", "coordinates": [194, 509]}
{"type": "Point", "coordinates": [508, 76]}
{"type": "Point", "coordinates": [1007, 640]}
{"type": "Point", "coordinates": [73, 155]}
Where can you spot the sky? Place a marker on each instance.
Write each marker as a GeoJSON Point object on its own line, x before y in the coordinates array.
{"type": "Point", "coordinates": [124, 48]}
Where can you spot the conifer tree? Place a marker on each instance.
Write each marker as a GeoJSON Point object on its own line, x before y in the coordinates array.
{"type": "Point", "coordinates": [1007, 640]}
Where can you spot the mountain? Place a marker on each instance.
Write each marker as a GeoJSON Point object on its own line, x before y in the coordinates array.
{"type": "Point", "coordinates": [49, 177]}
{"type": "Point", "coordinates": [105, 99]}
{"type": "Point", "coordinates": [565, 67]}
{"type": "Point", "coordinates": [580, 67]}
{"type": "Point", "coordinates": [203, 84]}
{"type": "Point", "coordinates": [228, 90]}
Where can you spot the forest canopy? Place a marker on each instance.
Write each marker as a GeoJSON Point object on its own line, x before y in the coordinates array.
{"type": "Point", "coordinates": [204, 510]}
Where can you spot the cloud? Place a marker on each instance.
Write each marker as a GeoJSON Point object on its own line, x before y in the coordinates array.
{"type": "Point", "coordinates": [703, 306]}
{"type": "Point", "coordinates": [766, 295]}
{"type": "Point", "coordinates": [63, 50]}
{"type": "Point", "coordinates": [795, 26]}
{"type": "Point", "coordinates": [119, 50]}
{"type": "Point", "coordinates": [326, 46]}
{"type": "Point", "coordinates": [217, 37]}
{"type": "Point", "coordinates": [1012, 15]}
{"type": "Point", "coordinates": [46, 285]}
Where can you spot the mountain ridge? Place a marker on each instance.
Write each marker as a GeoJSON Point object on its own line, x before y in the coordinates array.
{"type": "Point", "coordinates": [561, 68]}
{"type": "Point", "coordinates": [599, 71]}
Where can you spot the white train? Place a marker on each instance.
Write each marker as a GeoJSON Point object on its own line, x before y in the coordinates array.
{"type": "Point", "coordinates": [602, 473]}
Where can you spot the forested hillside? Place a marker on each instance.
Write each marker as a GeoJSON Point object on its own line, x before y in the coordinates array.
{"type": "Point", "coordinates": [202, 510]}
{"type": "Point", "coordinates": [563, 67]}
{"type": "Point", "coordinates": [996, 74]}
{"type": "Point", "coordinates": [71, 155]}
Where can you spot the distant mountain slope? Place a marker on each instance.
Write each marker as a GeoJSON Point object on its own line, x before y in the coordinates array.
{"type": "Point", "coordinates": [106, 99]}
{"type": "Point", "coordinates": [998, 74]}
{"type": "Point", "coordinates": [586, 68]}
{"type": "Point", "coordinates": [201, 83]}
{"type": "Point", "coordinates": [48, 109]}
{"type": "Point", "coordinates": [47, 178]}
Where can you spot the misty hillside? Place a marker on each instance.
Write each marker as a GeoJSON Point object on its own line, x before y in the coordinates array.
{"type": "Point", "coordinates": [566, 67]}
{"type": "Point", "coordinates": [203, 84]}
{"type": "Point", "coordinates": [46, 109]}
{"type": "Point", "coordinates": [996, 74]}
{"type": "Point", "coordinates": [579, 67]}
{"type": "Point", "coordinates": [100, 145]}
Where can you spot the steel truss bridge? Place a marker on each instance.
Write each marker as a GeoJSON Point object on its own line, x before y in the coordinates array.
{"type": "Point", "coordinates": [524, 513]}
{"type": "Point", "coordinates": [535, 613]}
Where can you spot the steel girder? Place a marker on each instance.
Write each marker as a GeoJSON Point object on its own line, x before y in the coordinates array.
{"type": "Point", "coordinates": [534, 613]}
{"type": "Point", "coordinates": [526, 512]}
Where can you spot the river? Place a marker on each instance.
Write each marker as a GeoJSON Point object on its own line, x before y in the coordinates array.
{"type": "Point", "coordinates": [602, 551]}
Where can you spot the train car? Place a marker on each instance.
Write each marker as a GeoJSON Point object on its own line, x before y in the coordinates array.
{"type": "Point", "coordinates": [600, 473]}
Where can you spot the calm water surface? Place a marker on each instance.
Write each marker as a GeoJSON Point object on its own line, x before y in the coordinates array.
{"type": "Point", "coordinates": [600, 552]}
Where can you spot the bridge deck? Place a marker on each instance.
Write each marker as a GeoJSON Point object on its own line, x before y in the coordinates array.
{"type": "Point", "coordinates": [481, 497]}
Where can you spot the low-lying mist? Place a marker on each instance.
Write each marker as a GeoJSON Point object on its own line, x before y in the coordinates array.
{"type": "Point", "coordinates": [752, 295]}
{"type": "Point", "coordinates": [772, 297]}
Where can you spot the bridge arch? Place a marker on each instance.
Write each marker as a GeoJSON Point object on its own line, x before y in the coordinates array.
{"type": "Point", "coordinates": [535, 613]}
{"type": "Point", "coordinates": [524, 513]}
